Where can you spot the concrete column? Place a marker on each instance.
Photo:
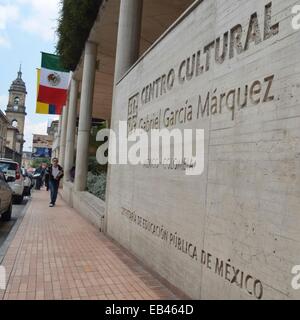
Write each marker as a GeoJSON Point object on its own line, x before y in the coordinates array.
{"type": "Point", "coordinates": [71, 129]}
{"type": "Point", "coordinates": [85, 116]}
{"type": "Point", "coordinates": [128, 46]}
{"type": "Point", "coordinates": [63, 135]}
{"type": "Point", "coordinates": [129, 34]}
{"type": "Point", "coordinates": [58, 137]}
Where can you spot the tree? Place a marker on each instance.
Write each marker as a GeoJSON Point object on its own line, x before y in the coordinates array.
{"type": "Point", "coordinates": [37, 162]}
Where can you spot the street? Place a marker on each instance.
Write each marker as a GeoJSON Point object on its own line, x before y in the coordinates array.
{"type": "Point", "coordinates": [7, 227]}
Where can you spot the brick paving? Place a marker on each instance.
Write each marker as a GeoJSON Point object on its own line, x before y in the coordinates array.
{"type": "Point", "coordinates": [56, 254]}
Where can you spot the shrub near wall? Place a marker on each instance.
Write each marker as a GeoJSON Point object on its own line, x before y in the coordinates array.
{"type": "Point", "coordinates": [96, 181]}
{"type": "Point", "coordinates": [97, 184]}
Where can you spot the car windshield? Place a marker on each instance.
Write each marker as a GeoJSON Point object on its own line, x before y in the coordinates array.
{"type": "Point", "coordinates": [7, 166]}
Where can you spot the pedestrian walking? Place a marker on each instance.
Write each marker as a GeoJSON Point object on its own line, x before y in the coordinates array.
{"type": "Point", "coordinates": [47, 178]}
{"type": "Point", "coordinates": [39, 175]}
{"type": "Point", "coordinates": [55, 173]}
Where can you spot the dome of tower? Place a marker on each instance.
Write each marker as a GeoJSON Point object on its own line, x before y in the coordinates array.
{"type": "Point", "coordinates": [18, 85]}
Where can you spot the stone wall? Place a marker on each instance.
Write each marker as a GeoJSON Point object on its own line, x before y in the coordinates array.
{"type": "Point", "coordinates": [86, 204]}
{"type": "Point", "coordinates": [231, 68]}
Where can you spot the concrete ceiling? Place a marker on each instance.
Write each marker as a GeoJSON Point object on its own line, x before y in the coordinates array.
{"type": "Point", "coordinates": [158, 15]}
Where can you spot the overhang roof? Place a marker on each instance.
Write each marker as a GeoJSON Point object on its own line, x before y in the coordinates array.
{"type": "Point", "coordinates": [158, 15]}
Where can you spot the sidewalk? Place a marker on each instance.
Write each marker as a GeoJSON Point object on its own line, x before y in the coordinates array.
{"type": "Point", "coordinates": [56, 254]}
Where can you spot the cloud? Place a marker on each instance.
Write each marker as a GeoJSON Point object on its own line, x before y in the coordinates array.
{"type": "Point", "coordinates": [8, 13]}
{"type": "Point", "coordinates": [4, 41]}
{"type": "Point", "coordinates": [37, 17]}
{"type": "Point", "coordinates": [42, 18]}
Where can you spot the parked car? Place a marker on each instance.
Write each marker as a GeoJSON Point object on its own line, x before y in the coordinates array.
{"type": "Point", "coordinates": [14, 177]}
{"type": "Point", "coordinates": [5, 199]}
{"type": "Point", "coordinates": [28, 183]}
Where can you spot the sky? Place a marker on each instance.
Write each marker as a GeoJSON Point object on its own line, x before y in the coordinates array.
{"type": "Point", "coordinates": [27, 27]}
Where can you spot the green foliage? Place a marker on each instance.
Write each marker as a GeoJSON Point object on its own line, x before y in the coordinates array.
{"type": "Point", "coordinates": [96, 180]}
{"type": "Point", "coordinates": [95, 168]}
{"type": "Point", "coordinates": [96, 184]}
{"type": "Point", "coordinates": [37, 162]}
{"type": "Point", "coordinates": [94, 144]}
{"type": "Point", "coordinates": [74, 25]}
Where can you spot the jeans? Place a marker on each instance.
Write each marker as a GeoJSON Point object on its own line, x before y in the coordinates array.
{"type": "Point", "coordinates": [54, 185]}
{"type": "Point", "coordinates": [38, 183]}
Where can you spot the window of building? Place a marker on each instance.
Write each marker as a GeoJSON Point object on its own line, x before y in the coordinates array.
{"type": "Point", "coordinates": [16, 101]}
{"type": "Point", "coordinates": [14, 123]}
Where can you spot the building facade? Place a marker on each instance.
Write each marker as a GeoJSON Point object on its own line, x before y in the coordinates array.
{"type": "Point", "coordinates": [16, 113]}
{"type": "Point", "coordinates": [26, 159]}
{"type": "Point", "coordinates": [231, 70]}
{"type": "Point", "coordinates": [42, 146]}
{"type": "Point", "coordinates": [4, 123]}
{"type": "Point", "coordinates": [54, 132]}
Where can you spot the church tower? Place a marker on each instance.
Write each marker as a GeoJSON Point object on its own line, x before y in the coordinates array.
{"type": "Point", "coordinates": [16, 110]}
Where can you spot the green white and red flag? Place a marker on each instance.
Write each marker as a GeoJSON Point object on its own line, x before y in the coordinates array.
{"type": "Point", "coordinates": [54, 81]}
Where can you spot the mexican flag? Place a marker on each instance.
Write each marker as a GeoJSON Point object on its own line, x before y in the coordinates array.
{"type": "Point", "coordinates": [54, 81]}
{"type": "Point", "coordinates": [46, 108]}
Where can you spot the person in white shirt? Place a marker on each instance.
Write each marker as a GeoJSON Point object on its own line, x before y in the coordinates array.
{"type": "Point", "coordinates": [55, 173]}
